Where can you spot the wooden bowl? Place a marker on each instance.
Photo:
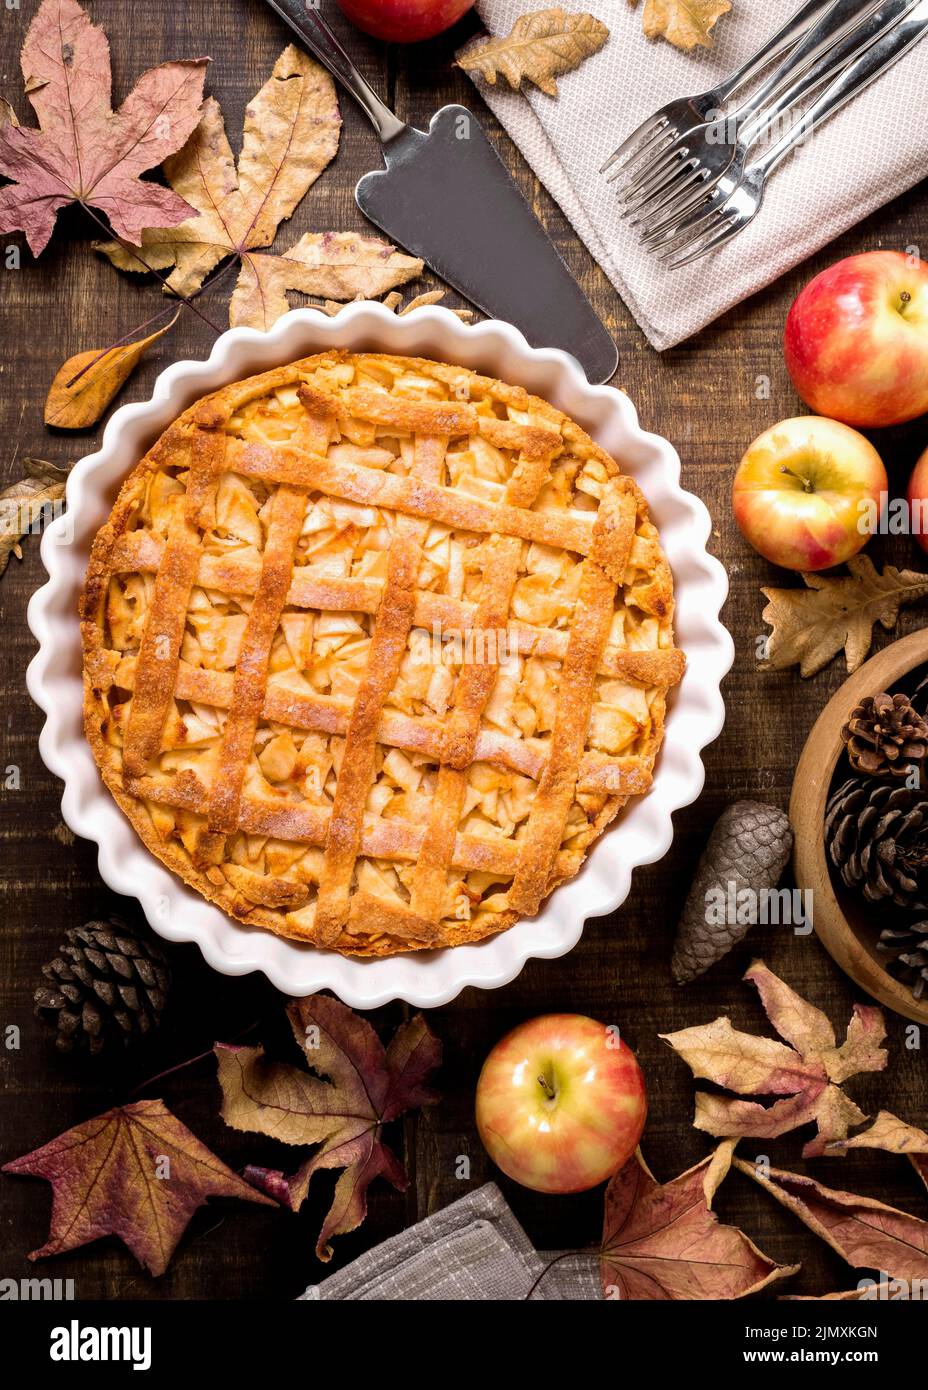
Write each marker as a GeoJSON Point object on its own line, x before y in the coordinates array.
{"type": "Point", "coordinates": [846, 928]}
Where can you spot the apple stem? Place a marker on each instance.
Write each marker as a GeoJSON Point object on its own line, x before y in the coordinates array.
{"type": "Point", "coordinates": [806, 482]}
{"type": "Point", "coordinates": [546, 1086]}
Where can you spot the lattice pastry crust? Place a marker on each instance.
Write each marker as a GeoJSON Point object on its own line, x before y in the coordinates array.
{"type": "Point", "coordinates": [375, 647]}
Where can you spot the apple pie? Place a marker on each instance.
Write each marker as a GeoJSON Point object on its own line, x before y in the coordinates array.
{"type": "Point", "coordinates": [374, 648]}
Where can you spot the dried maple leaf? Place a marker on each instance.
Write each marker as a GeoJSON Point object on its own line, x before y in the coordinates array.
{"type": "Point", "coordinates": [338, 265]}
{"type": "Point", "coordinates": [811, 625]}
{"type": "Point", "coordinates": [663, 1242]}
{"type": "Point", "coordinates": [893, 1136]}
{"type": "Point", "coordinates": [808, 1072]}
{"type": "Point", "coordinates": [135, 1172]}
{"type": "Point", "coordinates": [541, 47]}
{"type": "Point", "coordinates": [684, 23]}
{"type": "Point", "coordinates": [84, 386]}
{"type": "Point", "coordinates": [84, 152]}
{"type": "Point", "coordinates": [291, 133]}
{"type": "Point", "coordinates": [22, 504]}
{"type": "Point", "coordinates": [866, 1233]}
{"type": "Point", "coordinates": [367, 1086]}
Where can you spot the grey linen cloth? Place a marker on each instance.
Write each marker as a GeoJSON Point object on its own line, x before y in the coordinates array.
{"type": "Point", "coordinates": [471, 1251]}
{"type": "Point", "coordinates": [872, 150]}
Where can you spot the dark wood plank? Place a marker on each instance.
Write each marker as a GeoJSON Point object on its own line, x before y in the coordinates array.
{"type": "Point", "coordinates": [703, 397]}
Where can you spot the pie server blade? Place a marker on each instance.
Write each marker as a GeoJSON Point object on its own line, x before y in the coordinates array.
{"type": "Point", "coordinates": [447, 197]}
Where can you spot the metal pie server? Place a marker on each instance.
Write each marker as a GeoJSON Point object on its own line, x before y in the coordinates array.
{"type": "Point", "coordinates": [446, 196]}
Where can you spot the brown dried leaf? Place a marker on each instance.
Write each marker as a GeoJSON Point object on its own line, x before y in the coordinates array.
{"type": "Point", "coordinates": [394, 302]}
{"type": "Point", "coordinates": [291, 133]}
{"type": "Point", "coordinates": [893, 1136]}
{"type": "Point", "coordinates": [82, 150]}
{"type": "Point", "coordinates": [684, 23]}
{"type": "Point", "coordinates": [718, 1169]}
{"type": "Point", "coordinates": [866, 1233]}
{"type": "Point", "coordinates": [808, 1072]}
{"type": "Point", "coordinates": [811, 625]}
{"type": "Point", "coordinates": [338, 265]}
{"type": "Point", "coordinates": [135, 1172]}
{"type": "Point", "coordinates": [22, 502]}
{"type": "Point", "coordinates": [663, 1242]}
{"type": "Point", "coordinates": [84, 386]}
{"type": "Point", "coordinates": [367, 1086]}
{"type": "Point", "coordinates": [540, 48]}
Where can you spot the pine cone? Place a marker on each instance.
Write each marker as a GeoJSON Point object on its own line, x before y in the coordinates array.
{"type": "Point", "coordinates": [106, 983]}
{"type": "Point", "coordinates": [909, 948]}
{"type": "Point", "coordinates": [886, 737]}
{"type": "Point", "coordinates": [877, 838]}
{"type": "Point", "coordinates": [748, 848]}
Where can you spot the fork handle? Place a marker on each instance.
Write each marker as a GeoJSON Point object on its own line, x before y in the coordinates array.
{"type": "Point", "coordinates": [858, 75]}
{"type": "Point", "coordinates": [817, 40]}
{"type": "Point", "coordinates": [784, 38]}
{"type": "Point", "coordinates": [850, 46]}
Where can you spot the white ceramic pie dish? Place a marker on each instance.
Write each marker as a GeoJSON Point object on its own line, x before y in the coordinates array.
{"type": "Point", "coordinates": [641, 834]}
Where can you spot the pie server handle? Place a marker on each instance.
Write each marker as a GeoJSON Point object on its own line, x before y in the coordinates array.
{"type": "Point", "coordinates": [446, 196]}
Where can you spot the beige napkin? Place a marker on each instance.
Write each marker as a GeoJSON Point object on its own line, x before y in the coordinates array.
{"type": "Point", "coordinates": [859, 159]}
{"type": "Point", "coordinates": [471, 1251]}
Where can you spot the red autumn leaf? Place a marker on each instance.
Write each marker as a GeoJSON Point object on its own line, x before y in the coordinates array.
{"type": "Point", "coordinates": [866, 1233]}
{"type": "Point", "coordinates": [366, 1087]}
{"type": "Point", "coordinates": [663, 1242]}
{"type": "Point", "coordinates": [135, 1172]}
{"type": "Point", "coordinates": [807, 1072]}
{"type": "Point", "coordinates": [83, 151]}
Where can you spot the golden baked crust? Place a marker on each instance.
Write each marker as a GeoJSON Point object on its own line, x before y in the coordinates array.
{"type": "Point", "coordinates": [374, 648]}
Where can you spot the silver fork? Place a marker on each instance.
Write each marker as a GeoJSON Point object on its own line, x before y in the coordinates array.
{"type": "Point", "coordinates": [689, 113]}
{"type": "Point", "coordinates": [742, 201]}
{"type": "Point", "coordinates": [684, 208]}
{"type": "Point", "coordinates": [709, 149]}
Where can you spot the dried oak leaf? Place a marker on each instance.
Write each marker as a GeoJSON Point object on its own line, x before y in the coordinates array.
{"type": "Point", "coordinates": [811, 625]}
{"type": "Point", "coordinates": [893, 1136]}
{"type": "Point", "coordinates": [22, 504]}
{"type": "Point", "coordinates": [291, 133]}
{"type": "Point", "coordinates": [366, 1087]}
{"type": "Point", "coordinates": [663, 1242]}
{"type": "Point", "coordinates": [135, 1172]}
{"type": "Point", "coordinates": [684, 23]}
{"type": "Point", "coordinates": [541, 47]}
{"type": "Point", "coordinates": [866, 1233]}
{"type": "Point", "coordinates": [808, 1073]}
{"type": "Point", "coordinates": [84, 386]}
{"type": "Point", "coordinates": [83, 151]}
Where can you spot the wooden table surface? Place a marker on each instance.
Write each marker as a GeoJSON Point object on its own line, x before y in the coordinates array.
{"type": "Point", "coordinates": [704, 397]}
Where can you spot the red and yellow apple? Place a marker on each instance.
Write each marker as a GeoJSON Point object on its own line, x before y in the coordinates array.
{"type": "Point", "coordinates": [856, 340]}
{"type": "Point", "coordinates": [404, 21]}
{"type": "Point", "coordinates": [807, 492]}
{"type": "Point", "coordinates": [917, 496]}
{"type": "Point", "coordinates": [561, 1103]}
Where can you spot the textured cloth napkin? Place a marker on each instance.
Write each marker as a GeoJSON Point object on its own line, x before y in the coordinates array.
{"type": "Point", "coordinates": [869, 152]}
{"type": "Point", "coordinates": [472, 1251]}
